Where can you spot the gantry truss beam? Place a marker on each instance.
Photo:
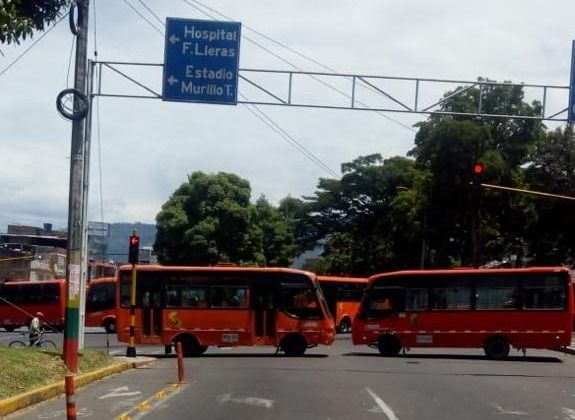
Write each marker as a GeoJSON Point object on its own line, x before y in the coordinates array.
{"type": "Point", "coordinates": [340, 91]}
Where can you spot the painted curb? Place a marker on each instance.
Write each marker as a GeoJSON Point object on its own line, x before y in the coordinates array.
{"type": "Point", "coordinates": [34, 396]}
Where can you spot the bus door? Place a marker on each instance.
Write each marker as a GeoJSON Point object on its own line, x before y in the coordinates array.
{"type": "Point", "coordinates": [264, 312]}
{"type": "Point", "coordinates": [151, 291]}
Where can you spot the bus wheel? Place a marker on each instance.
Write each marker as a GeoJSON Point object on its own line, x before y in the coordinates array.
{"type": "Point", "coordinates": [344, 325]}
{"type": "Point", "coordinates": [110, 326]}
{"type": "Point", "coordinates": [190, 346]}
{"type": "Point", "coordinates": [388, 345]}
{"type": "Point", "coordinates": [293, 345]}
{"type": "Point", "coordinates": [496, 348]}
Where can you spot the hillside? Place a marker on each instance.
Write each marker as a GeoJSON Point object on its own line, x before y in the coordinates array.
{"type": "Point", "coordinates": [119, 234]}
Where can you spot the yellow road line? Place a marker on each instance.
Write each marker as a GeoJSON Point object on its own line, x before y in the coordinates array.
{"type": "Point", "coordinates": [144, 407]}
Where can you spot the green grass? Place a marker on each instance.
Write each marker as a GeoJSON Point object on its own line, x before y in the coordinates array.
{"type": "Point", "coordinates": [25, 369]}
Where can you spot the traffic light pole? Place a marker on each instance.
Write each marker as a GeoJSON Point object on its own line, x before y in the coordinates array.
{"type": "Point", "coordinates": [75, 206]}
{"type": "Point", "coordinates": [133, 256]}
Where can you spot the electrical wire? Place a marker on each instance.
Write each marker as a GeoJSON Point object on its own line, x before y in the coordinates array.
{"type": "Point", "coordinates": [32, 45]}
{"type": "Point", "coordinates": [98, 138]}
{"type": "Point", "coordinates": [261, 115]}
{"type": "Point", "coordinates": [152, 13]}
{"type": "Point", "coordinates": [158, 30]}
{"type": "Point", "coordinates": [70, 62]}
{"type": "Point", "coordinates": [269, 122]}
{"type": "Point", "coordinates": [316, 62]}
{"type": "Point", "coordinates": [98, 125]}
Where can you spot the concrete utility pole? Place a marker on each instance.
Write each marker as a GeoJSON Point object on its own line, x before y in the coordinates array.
{"type": "Point", "coordinates": [76, 197]}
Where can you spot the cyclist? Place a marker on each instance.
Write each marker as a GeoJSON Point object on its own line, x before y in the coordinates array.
{"type": "Point", "coordinates": [35, 329]}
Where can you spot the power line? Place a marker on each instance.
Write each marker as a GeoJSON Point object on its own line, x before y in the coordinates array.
{"type": "Point", "coordinates": [33, 45]}
{"type": "Point", "coordinates": [70, 62]}
{"type": "Point", "coordinates": [152, 13]}
{"type": "Point", "coordinates": [98, 137]}
{"type": "Point", "coordinates": [144, 17]}
{"type": "Point", "coordinates": [268, 121]}
{"type": "Point", "coordinates": [317, 79]}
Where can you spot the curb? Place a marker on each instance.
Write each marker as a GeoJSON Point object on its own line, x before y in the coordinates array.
{"type": "Point", "coordinates": [34, 396]}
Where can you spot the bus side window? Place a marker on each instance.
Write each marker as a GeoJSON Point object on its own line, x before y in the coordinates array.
{"type": "Point", "coordinates": [451, 294]}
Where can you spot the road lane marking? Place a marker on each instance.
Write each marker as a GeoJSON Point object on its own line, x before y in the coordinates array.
{"type": "Point", "coordinates": [509, 412]}
{"type": "Point", "coordinates": [253, 401]}
{"type": "Point", "coordinates": [83, 412]}
{"type": "Point", "coordinates": [386, 409]}
{"type": "Point", "coordinates": [145, 407]}
{"type": "Point", "coordinates": [122, 391]}
{"type": "Point", "coordinates": [569, 413]}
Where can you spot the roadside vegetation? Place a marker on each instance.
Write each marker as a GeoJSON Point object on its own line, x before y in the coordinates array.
{"type": "Point", "coordinates": [25, 369]}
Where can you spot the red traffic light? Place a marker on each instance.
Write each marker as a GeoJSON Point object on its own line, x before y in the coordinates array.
{"type": "Point", "coordinates": [134, 240]}
{"type": "Point", "coordinates": [478, 168]}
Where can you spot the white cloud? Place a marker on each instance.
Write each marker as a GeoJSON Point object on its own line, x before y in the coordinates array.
{"type": "Point", "coordinates": [148, 146]}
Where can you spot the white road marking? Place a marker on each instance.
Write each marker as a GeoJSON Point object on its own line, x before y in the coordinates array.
{"type": "Point", "coordinates": [115, 352]}
{"type": "Point", "coordinates": [569, 413]}
{"type": "Point", "coordinates": [386, 409]}
{"type": "Point", "coordinates": [253, 401]}
{"type": "Point", "coordinates": [83, 412]}
{"type": "Point", "coordinates": [122, 391]}
{"type": "Point", "coordinates": [504, 411]}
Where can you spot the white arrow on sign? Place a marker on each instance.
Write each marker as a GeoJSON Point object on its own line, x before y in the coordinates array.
{"type": "Point", "coordinates": [172, 80]}
{"type": "Point", "coordinates": [119, 392]}
{"type": "Point", "coordinates": [174, 39]}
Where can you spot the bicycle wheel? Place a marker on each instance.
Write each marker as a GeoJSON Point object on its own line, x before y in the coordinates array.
{"type": "Point", "coordinates": [48, 345]}
{"type": "Point", "coordinates": [18, 344]}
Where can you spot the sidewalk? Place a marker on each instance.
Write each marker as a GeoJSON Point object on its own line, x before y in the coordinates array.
{"type": "Point", "coordinates": [17, 402]}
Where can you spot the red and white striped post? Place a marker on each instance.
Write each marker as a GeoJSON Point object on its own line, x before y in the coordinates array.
{"type": "Point", "coordinates": [70, 397]}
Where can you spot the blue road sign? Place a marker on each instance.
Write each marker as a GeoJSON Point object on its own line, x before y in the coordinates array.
{"type": "Point", "coordinates": [201, 61]}
{"type": "Point", "coordinates": [571, 109]}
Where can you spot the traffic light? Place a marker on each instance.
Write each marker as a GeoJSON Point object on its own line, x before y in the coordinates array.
{"type": "Point", "coordinates": [478, 170]}
{"type": "Point", "coordinates": [134, 253]}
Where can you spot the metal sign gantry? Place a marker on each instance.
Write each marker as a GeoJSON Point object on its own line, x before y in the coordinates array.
{"type": "Point", "coordinates": [345, 91]}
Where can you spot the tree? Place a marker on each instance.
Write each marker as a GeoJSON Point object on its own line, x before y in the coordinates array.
{"type": "Point", "coordinates": [552, 169]}
{"type": "Point", "coordinates": [448, 145]}
{"type": "Point", "coordinates": [20, 18]}
{"type": "Point", "coordinates": [210, 219]}
{"type": "Point", "coordinates": [277, 234]}
{"type": "Point", "coordinates": [206, 221]}
{"type": "Point", "coordinates": [355, 216]}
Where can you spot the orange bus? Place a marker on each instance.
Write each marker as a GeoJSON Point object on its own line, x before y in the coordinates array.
{"type": "Point", "coordinates": [489, 308]}
{"type": "Point", "coordinates": [342, 295]}
{"type": "Point", "coordinates": [224, 306]}
{"type": "Point", "coordinates": [98, 269]}
{"type": "Point", "coordinates": [101, 304]}
{"type": "Point", "coordinates": [20, 300]}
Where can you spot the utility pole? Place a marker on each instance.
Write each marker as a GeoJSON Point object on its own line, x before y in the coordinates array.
{"type": "Point", "coordinates": [76, 195]}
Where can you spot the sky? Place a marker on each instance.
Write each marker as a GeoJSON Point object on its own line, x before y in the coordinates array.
{"type": "Point", "coordinates": [143, 149]}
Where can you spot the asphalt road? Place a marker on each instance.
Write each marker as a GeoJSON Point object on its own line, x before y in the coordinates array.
{"type": "Point", "coordinates": [337, 382]}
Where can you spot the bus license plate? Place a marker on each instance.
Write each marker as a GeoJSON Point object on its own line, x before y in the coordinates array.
{"type": "Point", "coordinates": [230, 338]}
{"type": "Point", "coordinates": [424, 339]}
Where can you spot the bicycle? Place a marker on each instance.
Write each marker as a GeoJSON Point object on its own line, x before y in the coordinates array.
{"type": "Point", "coordinates": [42, 342]}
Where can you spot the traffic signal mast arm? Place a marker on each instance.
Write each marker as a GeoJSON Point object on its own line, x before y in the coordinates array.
{"type": "Point", "coordinates": [519, 190]}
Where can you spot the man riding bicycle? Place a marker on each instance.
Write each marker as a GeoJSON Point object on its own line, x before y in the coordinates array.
{"type": "Point", "coordinates": [35, 329]}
